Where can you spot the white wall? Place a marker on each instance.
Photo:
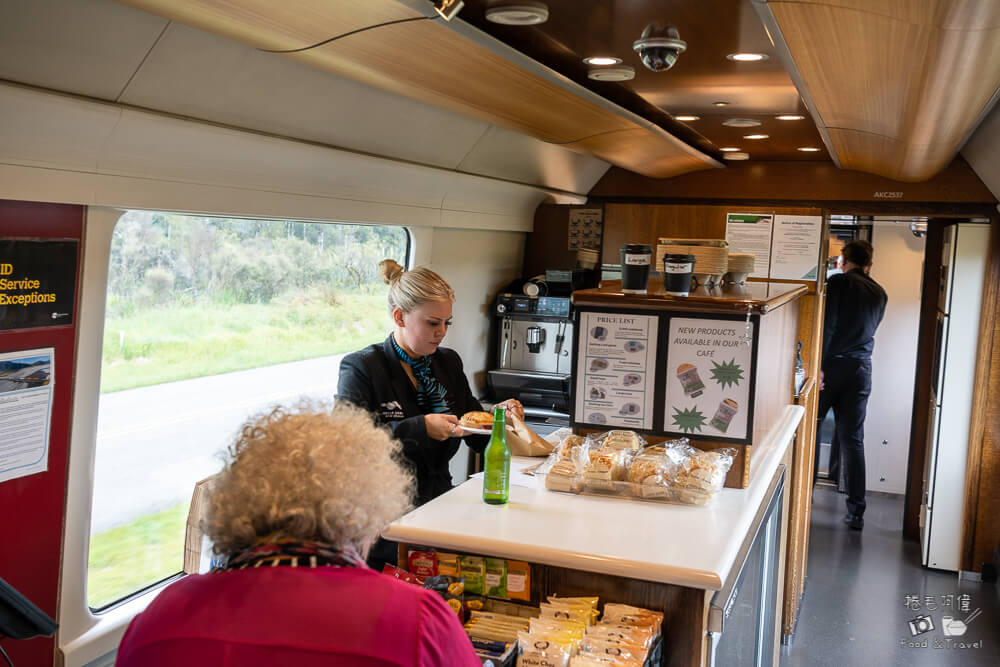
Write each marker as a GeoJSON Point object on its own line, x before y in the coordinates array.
{"type": "Point", "coordinates": [898, 268]}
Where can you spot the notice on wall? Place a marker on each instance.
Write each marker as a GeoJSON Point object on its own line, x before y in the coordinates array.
{"type": "Point", "coordinates": [26, 382]}
{"type": "Point", "coordinates": [616, 368]}
{"type": "Point", "coordinates": [795, 247]}
{"type": "Point", "coordinates": [585, 228]}
{"type": "Point", "coordinates": [37, 283]}
{"type": "Point", "coordinates": [751, 233]}
{"type": "Point", "coordinates": [708, 378]}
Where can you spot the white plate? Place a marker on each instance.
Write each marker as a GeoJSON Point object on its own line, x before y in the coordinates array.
{"type": "Point", "coordinates": [483, 431]}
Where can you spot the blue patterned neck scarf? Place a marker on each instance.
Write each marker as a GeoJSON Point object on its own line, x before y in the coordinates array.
{"type": "Point", "coordinates": [430, 393]}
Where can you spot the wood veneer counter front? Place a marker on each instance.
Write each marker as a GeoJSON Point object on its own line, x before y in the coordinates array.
{"type": "Point", "coordinates": [759, 297]}
{"type": "Point", "coordinates": [682, 545]}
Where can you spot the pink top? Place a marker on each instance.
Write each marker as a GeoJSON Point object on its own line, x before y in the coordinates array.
{"type": "Point", "coordinates": [296, 616]}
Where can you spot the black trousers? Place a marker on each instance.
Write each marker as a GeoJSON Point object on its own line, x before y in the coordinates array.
{"type": "Point", "coordinates": [847, 385]}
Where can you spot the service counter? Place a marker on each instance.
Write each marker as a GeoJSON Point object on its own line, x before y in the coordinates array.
{"type": "Point", "coordinates": [672, 558]}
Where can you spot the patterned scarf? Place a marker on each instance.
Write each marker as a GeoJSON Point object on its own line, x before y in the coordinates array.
{"type": "Point", "coordinates": [430, 393]}
{"type": "Point", "coordinates": [275, 550]}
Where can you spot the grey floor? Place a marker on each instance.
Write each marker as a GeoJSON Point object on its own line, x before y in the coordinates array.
{"type": "Point", "coordinates": [854, 608]}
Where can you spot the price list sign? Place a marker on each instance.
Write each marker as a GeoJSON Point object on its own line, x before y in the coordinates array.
{"type": "Point", "coordinates": [617, 364]}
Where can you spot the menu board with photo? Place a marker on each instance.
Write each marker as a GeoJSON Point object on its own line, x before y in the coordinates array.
{"type": "Point", "coordinates": [585, 228]}
{"type": "Point", "coordinates": [616, 369]}
{"type": "Point", "coordinates": [708, 379]}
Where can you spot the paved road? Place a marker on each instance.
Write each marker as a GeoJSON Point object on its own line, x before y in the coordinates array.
{"type": "Point", "coordinates": [154, 443]}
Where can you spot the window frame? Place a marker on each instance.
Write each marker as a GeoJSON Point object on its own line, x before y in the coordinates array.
{"type": "Point", "coordinates": [90, 635]}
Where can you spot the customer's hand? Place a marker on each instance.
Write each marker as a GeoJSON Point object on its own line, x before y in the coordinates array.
{"type": "Point", "coordinates": [442, 427]}
{"type": "Point", "coordinates": [514, 407]}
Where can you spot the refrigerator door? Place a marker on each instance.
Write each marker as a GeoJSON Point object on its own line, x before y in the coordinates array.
{"type": "Point", "coordinates": [930, 460]}
{"type": "Point", "coordinates": [947, 264]}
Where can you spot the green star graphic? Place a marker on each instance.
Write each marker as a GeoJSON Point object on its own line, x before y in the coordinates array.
{"type": "Point", "coordinates": [727, 373]}
{"type": "Point", "coordinates": [689, 420]}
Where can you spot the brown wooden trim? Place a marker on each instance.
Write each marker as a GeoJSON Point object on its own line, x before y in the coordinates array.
{"type": "Point", "coordinates": [816, 183]}
{"type": "Point", "coordinates": [978, 539]}
{"type": "Point", "coordinates": [758, 297]}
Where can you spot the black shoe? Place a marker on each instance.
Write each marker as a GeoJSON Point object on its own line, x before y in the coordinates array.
{"type": "Point", "coordinates": [854, 522]}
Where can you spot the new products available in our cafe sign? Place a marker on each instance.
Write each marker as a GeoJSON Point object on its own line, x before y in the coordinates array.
{"type": "Point", "coordinates": [37, 283]}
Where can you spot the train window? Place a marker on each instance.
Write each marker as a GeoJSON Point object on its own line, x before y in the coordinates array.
{"type": "Point", "coordinates": [207, 321]}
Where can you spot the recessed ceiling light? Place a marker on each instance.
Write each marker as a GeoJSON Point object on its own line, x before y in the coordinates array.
{"type": "Point", "coordinates": [756, 136]}
{"type": "Point", "coordinates": [747, 57]}
{"type": "Point", "coordinates": [790, 117]}
{"type": "Point", "coordinates": [602, 60]}
{"type": "Point", "coordinates": [619, 73]}
{"type": "Point", "coordinates": [522, 12]}
{"type": "Point", "coordinates": [720, 104]}
{"type": "Point", "coordinates": [736, 156]}
{"type": "Point", "coordinates": [686, 118]}
{"type": "Point", "coordinates": [729, 149]}
{"type": "Point", "coordinates": [809, 149]}
{"type": "Point", "coordinates": [741, 122]}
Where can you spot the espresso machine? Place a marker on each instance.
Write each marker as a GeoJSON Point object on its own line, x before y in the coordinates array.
{"type": "Point", "coordinates": [534, 355]}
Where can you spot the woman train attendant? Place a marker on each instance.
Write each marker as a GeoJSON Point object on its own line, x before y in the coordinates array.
{"type": "Point", "coordinates": [413, 385]}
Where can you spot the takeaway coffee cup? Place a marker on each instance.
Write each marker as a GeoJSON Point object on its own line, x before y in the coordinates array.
{"type": "Point", "coordinates": [636, 259]}
{"type": "Point", "coordinates": [678, 270]}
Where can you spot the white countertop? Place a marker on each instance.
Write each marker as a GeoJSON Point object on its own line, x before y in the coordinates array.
{"type": "Point", "coordinates": [673, 544]}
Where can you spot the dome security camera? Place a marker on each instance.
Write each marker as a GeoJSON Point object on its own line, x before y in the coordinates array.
{"type": "Point", "coordinates": [659, 46]}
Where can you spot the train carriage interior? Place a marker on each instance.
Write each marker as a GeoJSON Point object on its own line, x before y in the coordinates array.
{"type": "Point", "coordinates": [222, 177]}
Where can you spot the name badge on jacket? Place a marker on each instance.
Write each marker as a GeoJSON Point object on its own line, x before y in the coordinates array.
{"type": "Point", "coordinates": [391, 410]}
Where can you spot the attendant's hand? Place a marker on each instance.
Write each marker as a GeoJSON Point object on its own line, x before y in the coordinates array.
{"type": "Point", "coordinates": [513, 406]}
{"type": "Point", "coordinates": [822, 383]}
{"type": "Point", "coordinates": [442, 427]}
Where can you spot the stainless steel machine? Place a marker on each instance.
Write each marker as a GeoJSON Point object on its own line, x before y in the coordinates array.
{"type": "Point", "coordinates": [534, 354]}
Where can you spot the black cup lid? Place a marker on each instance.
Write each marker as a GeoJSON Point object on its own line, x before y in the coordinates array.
{"type": "Point", "coordinates": [638, 248]}
{"type": "Point", "coordinates": [677, 257]}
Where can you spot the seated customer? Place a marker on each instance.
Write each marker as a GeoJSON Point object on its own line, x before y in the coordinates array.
{"type": "Point", "coordinates": [296, 507]}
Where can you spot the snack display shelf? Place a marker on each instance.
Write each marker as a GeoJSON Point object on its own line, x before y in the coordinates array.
{"type": "Point", "coordinates": [688, 546]}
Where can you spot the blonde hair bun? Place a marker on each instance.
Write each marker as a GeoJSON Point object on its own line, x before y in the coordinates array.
{"type": "Point", "coordinates": [391, 271]}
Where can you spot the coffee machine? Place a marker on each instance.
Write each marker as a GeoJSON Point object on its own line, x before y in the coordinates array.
{"type": "Point", "coordinates": [534, 354]}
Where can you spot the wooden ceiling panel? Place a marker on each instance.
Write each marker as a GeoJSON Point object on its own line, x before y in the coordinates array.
{"type": "Point", "coordinates": [437, 63]}
{"type": "Point", "coordinates": [897, 84]}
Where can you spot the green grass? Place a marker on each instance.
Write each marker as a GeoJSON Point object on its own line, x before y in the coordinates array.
{"type": "Point", "coordinates": [128, 558]}
{"type": "Point", "coordinates": [178, 342]}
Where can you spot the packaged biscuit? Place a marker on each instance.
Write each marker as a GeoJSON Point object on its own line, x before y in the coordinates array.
{"type": "Point", "coordinates": [451, 589]}
{"type": "Point", "coordinates": [474, 573]}
{"type": "Point", "coordinates": [518, 580]}
{"type": "Point", "coordinates": [448, 565]}
{"type": "Point", "coordinates": [397, 573]}
{"type": "Point", "coordinates": [496, 577]}
{"type": "Point", "coordinates": [589, 600]}
{"type": "Point", "coordinates": [422, 563]}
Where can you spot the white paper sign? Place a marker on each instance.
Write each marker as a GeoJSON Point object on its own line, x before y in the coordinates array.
{"type": "Point", "coordinates": [751, 233]}
{"type": "Point", "coordinates": [708, 378]}
{"type": "Point", "coordinates": [616, 369]}
{"type": "Point", "coordinates": [26, 382]}
{"type": "Point", "coordinates": [795, 248]}
{"type": "Point", "coordinates": [585, 228]}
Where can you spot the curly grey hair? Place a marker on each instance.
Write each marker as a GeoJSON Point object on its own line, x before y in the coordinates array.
{"type": "Point", "coordinates": [309, 473]}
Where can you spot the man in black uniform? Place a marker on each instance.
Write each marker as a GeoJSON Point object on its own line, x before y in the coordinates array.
{"type": "Point", "coordinates": [855, 305]}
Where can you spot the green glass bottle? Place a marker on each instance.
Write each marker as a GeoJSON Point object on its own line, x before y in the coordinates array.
{"type": "Point", "coordinates": [496, 480]}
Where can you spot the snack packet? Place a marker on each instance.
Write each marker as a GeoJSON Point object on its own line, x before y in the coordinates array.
{"type": "Point", "coordinates": [452, 589]}
{"type": "Point", "coordinates": [496, 577]}
{"type": "Point", "coordinates": [474, 572]}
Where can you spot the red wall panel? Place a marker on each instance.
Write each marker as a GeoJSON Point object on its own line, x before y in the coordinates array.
{"type": "Point", "coordinates": [32, 508]}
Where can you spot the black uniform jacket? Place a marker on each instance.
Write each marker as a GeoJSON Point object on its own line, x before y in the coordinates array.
{"type": "Point", "coordinates": [374, 379]}
{"type": "Point", "coordinates": [855, 304]}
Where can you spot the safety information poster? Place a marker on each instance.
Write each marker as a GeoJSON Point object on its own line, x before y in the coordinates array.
{"type": "Point", "coordinates": [26, 382]}
{"type": "Point", "coordinates": [795, 248]}
{"type": "Point", "coordinates": [617, 364]}
{"type": "Point", "coordinates": [751, 233]}
{"type": "Point", "coordinates": [708, 377]}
